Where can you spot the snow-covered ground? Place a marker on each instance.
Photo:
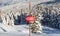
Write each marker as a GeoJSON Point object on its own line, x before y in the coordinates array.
{"type": "Point", "coordinates": [22, 30]}
{"type": "Point", "coordinates": [6, 28]}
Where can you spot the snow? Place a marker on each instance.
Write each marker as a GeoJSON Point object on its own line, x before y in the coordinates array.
{"type": "Point", "coordinates": [23, 31]}
{"type": "Point", "coordinates": [1, 30]}
{"type": "Point", "coordinates": [6, 28]}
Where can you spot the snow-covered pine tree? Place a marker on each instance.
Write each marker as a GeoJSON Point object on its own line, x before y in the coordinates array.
{"type": "Point", "coordinates": [36, 26]}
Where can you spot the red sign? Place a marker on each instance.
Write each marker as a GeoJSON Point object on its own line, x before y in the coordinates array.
{"type": "Point", "coordinates": [30, 19]}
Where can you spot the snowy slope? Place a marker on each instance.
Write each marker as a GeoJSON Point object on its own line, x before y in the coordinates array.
{"type": "Point", "coordinates": [20, 28]}
{"type": "Point", "coordinates": [6, 28]}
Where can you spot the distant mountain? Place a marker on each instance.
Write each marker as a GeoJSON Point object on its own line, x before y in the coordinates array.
{"type": "Point", "coordinates": [11, 2]}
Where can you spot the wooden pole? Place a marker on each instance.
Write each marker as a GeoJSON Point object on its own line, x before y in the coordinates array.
{"type": "Point", "coordinates": [29, 10]}
{"type": "Point", "coordinates": [29, 7]}
{"type": "Point", "coordinates": [29, 30]}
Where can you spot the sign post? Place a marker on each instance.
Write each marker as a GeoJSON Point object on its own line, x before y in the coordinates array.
{"type": "Point", "coordinates": [29, 10]}
{"type": "Point", "coordinates": [29, 19]}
